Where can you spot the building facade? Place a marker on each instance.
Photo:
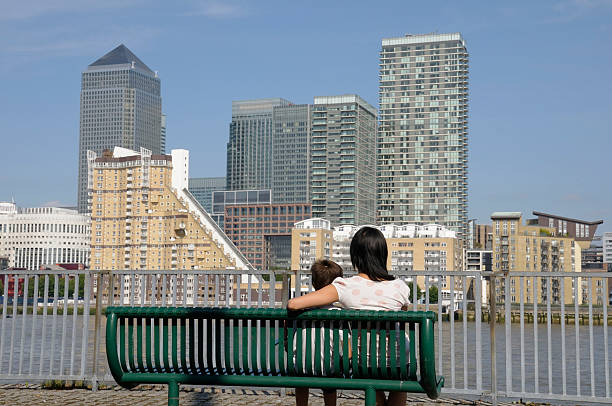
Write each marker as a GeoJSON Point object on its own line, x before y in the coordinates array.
{"type": "Point", "coordinates": [291, 154]}
{"type": "Point", "coordinates": [262, 228]}
{"type": "Point", "coordinates": [311, 239]}
{"type": "Point", "coordinates": [120, 106]}
{"type": "Point", "coordinates": [580, 230]}
{"type": "Point", "coordinates": [607, 247]}
{"type": "Point", "coordinates": [34, 237]}
{"type": "Point", "coordinates": [532, 248]}
{"type": "Point", "coordinates": [144, 218]}
{"type": "Point", "coordinates": [203, 188]}
{"type": "Point", "coordinates": [343, 160]}
{"type": "Point", "coordinates": [249, 149]}
{"type": "Point", "coordinates": [223, 198]}
{"type": "Point", "coordinates": [422, 133]}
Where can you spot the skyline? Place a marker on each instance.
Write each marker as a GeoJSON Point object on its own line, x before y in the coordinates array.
{"type": "Point", "coordinates": [184, 44]}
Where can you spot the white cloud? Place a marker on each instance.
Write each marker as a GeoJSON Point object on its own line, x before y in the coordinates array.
{"type": "Point", "coordinates": [216, 9]}
{"type": "Point", "coordinates": [571, 10]}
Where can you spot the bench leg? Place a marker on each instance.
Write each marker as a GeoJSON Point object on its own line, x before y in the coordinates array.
{"type": "Point", "coordinates": [370, 397]}
{"type": "Point", "coordinates": [173, 393]}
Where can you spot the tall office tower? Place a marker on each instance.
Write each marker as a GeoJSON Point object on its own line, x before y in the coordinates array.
{"type": "Point", "coordinates": [343, 160]}
{"type": "Point", "coordinates": [202, 189]}
{"type": "Point", "coordinates": [249, 149]}
{"type": "Point", "coordinates": [290, 149]}
{"type": "Point", "coordinates": [120, 106]}
{"type": "Point", "coordinates": [163, 134]}
{"type": "Point", "coordinates": [422, 134]}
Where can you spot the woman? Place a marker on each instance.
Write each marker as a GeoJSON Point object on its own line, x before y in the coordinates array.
{"type": "Point", "coordinates": [371, 289]}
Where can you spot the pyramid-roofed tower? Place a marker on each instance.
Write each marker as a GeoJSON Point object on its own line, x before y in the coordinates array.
{"type": "Point", "coordinates": [121, 56]}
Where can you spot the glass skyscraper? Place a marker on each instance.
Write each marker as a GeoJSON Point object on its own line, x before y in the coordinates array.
{"type": "Point", "coordinates": [202, 189]}
{"type": "Point", "coordinates": [249, 149]}
{"type": "Point", "coordinates": [343, 160]}
{"type": "Point", "coordinates": [120, 106]}
{"type": "Point", "coordinates": [290, 149]}
{"type": "Point", "coordinates": [423, 133]}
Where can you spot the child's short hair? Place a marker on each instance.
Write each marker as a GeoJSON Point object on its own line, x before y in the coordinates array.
{"type": "Point", "coordinates": [324, 272]}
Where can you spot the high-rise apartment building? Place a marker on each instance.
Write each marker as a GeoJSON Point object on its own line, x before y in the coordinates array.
{"type": "Point", "coordinates": [343, 160]}
{"type": "Point", "coordinates": [290, 153]}
{"type": "Point", "coordinates": [120, 106]}
{"type": "Point", "coordinates": [143, 216]}
{"type": "Point", "coordinates": [203, 188]}
{"type": "Point", "coordinates": [422, 133]}
{"type": "Point", "coordinates": [249, 149]}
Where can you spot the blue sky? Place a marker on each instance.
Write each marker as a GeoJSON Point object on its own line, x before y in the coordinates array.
{"type": "Point", "coordinates": [540, 84]}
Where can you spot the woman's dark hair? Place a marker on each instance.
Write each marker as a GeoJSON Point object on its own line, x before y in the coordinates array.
{"type": "Point", "coordinates": [369, 254]}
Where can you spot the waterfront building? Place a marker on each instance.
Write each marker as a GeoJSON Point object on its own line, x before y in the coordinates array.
{"type": "Point", "coordinates": [533, 248]}
{"type": "Point", "coordinates": [223, 198]}
{"type": "Point", "coordinates": [120, 106]}
{"type": "Point", "coordinates": [592, 257]}
{"type": "Point", "coordinates": [311, 239]}
{"type": "Point", "coordinates": [262, 231]}
{"type": "Point", "coordinates": [477, 260]}
{"type": "Point", "coordinates": [422, 134]}
{"type": "Point", "coordinates": [41, 236]}
{"type": "Point", "coordinates": [580, 230]}
{"type": "Point", "coordinates": [291, 153]}
{"type": "Point", "coordinates": [144, 218]}
{"type": "Point", "coordinates": [202, 189]}
{"type": "Point", "coordinates": [478, 236]}
{"type": "Point", "coordinates": [249, 149]}
{"type": "Point", "coordinates": [607, 249]}
{"type": "Point", "coordinates": [343, 160]}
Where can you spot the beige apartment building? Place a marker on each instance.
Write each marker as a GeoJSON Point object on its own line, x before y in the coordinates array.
{"type": "Point", "coordinates": [143, 217]}
{"type": "Point", "coordinates": [533, 248]}
{"type": "Point", "coordinates": [311, 240]}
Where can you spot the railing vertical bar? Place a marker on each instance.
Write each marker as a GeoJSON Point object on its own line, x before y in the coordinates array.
{"type": "Point", "coordinates": [34, 333]}
{"type": "Point", "coordinates": [195, 289]}
{"type": "Point", "coordinates": [238, 299]}
{"type": "Point", "coordinates": [414, 292]}
{"type": "Point", "coordinates": [536, 361]}
{"type": "Point", "coordinates": [132, 292]}
{"type": "Point", "coordinates": [154, 289]}
{"type": "Point", "coordinates": [426, 292]}
{"type": "Point", "coordinates": [217, 290]}
{"type": "Point", "coordinates": [522, 317]}
{"type": "Point", "coordinates": [164, 293]}
{"type": "Point", "coordinates": [24, 316]}
{"type": "Point", "coordinates": [86, 306]}
{"type": "Point", "coordinates": [465, 333]}
{"type": "Point", "coordinates": [260, 291]}
{"type": "Point", "coordinates": [174, 292]}
{"type": "Point", "coordinates": [75, 312]}
{"type": "Point", "coordinates": [549, 333]}
{"type": "Point", "coordinates": [249, 291]}
{"type": "Point", "coordinates": [44, 330]}
{"type": "Point", "coordinates": [478, 320]}
{"type": "Point", "coordinates": [143, 289]}
{"type": "Point", "coordinates": [272, 300]}
{"type": "Point", "coordinates": [440, 364]}
{"type": "Point", "coordinates": [605, 331]}
{"type": "Point", "coordinates": [64, 321]}
{"type": "Point", "coordinates": [5, 280]}
{"type": "Point", "coordinates": [591, 348]}
{"type": "Point", "coordinates": [563, 352]}
{"type": "Point", "coordinates": [206, 289]}
{"type": "Point", "coordinates": [121, 289]}
{"type": "Point", "coordinates": [54, 322]}
{"type": "Point", "coordinates": [185, 281]}
{"type": "Point", "coordinates": [451, 317]}
{"type": "Point", "coordinates": [507, 323]}
{"type": "Point", "coordinates": [576, 328]}
{"type": "Point", "coordinates": [228, 290]}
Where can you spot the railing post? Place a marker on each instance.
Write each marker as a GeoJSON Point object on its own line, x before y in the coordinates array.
{"type": "Point", "coordinates": [492, 314]}
{"type": "Point", "coordinates": [99, 293]}
{"type": "Point", "coordinates": [286, 285]}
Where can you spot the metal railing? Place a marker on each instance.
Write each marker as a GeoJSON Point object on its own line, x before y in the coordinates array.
{"type": "Point", "coordinates": [547, 335]}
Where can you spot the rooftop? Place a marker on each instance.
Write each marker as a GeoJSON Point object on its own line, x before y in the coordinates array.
{"type": "Point", "coordinates": [121, 56]}
{"type": "Point", "coordinates": [591, 223]}
{"type": "Point", "coordinates": [506, 215]}
{"type": "Point", "coordinates": [423, 38]}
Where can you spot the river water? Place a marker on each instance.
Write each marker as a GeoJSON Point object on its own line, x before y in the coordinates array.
{"type": "Point", "coordinates": [59, 346]}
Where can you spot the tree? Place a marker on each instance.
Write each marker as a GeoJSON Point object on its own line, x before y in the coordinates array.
{"type": "Point", "coordinates": [433, 294]}
{"type": "Point", "coordinates": [419, 291]}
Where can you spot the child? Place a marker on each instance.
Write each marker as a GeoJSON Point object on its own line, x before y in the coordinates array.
{"type": "Point", "coordinates": [323, 273]}
{"type": "Point", "coordinates": [371, 289]}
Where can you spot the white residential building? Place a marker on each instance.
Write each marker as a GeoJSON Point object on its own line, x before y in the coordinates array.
{"type": "Point", "coordinates": [31, 237]}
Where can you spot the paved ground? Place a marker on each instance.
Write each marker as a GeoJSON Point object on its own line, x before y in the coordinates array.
{"type": "Point", "coordinates": [157, 396]}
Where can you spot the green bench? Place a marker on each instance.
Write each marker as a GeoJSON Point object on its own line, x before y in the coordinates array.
{"type": "Point", "coordinates": [272, 348]}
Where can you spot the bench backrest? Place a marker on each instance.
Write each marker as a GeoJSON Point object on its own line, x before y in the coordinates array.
{"type": "Point", "coordinates": [230, 341]}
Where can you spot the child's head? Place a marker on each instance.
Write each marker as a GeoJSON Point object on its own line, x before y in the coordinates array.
{"type": "Point", "coordinates": [324, 272]}
{"type": "Point", "coordinates": [369, 253]}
